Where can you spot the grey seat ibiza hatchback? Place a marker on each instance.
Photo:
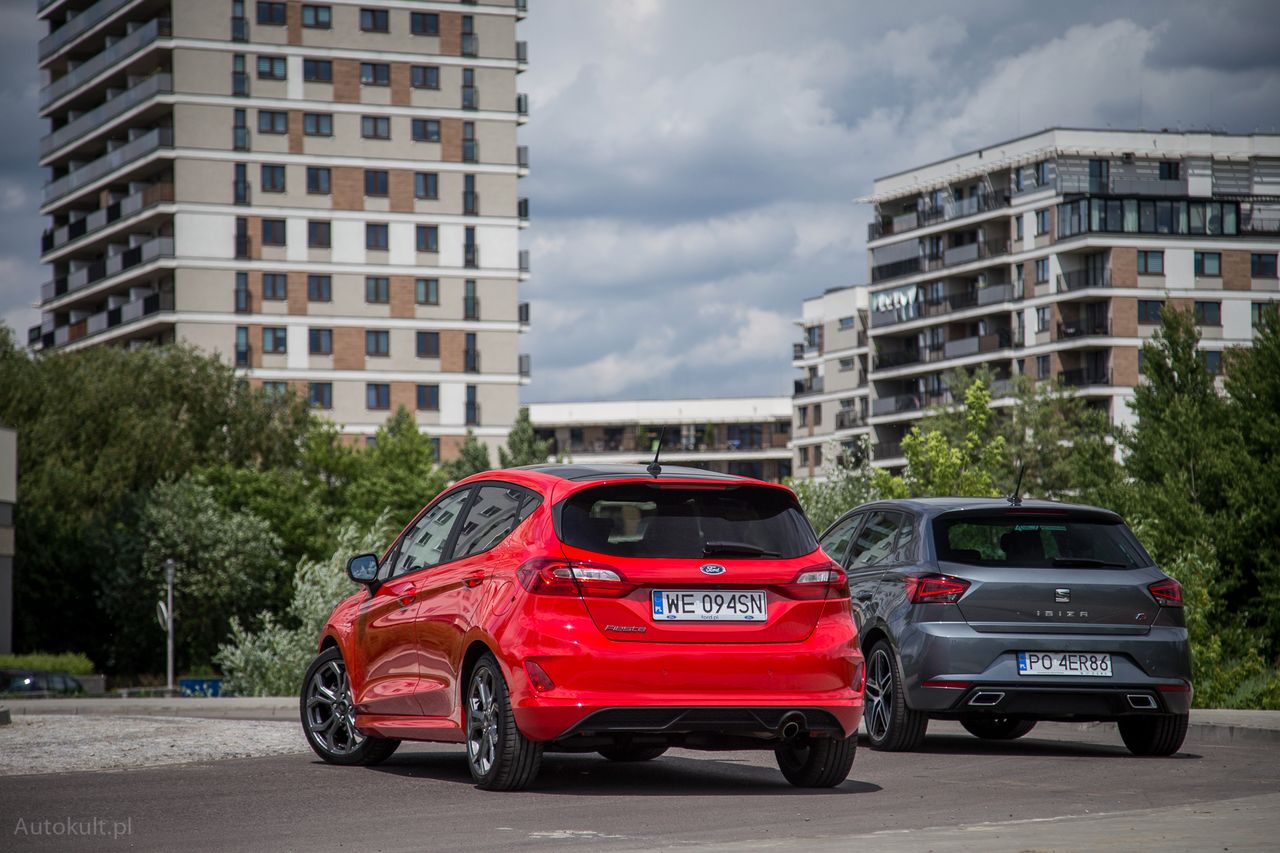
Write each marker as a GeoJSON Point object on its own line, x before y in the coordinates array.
{"type": "Point", "coordinates": [999, 613]}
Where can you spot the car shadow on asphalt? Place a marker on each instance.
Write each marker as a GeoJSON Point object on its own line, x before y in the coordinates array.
{"type": "Point", "coordinates": [1030, 747]}
{"type": "Point", "coordinates": [590, 775]}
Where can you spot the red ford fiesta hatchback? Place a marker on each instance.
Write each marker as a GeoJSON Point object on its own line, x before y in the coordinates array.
{"type": "Point", "coordinates": [579, 608]}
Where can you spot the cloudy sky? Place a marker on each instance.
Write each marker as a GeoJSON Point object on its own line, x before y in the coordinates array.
{"type": "Point", "coordinates": [694, 162]}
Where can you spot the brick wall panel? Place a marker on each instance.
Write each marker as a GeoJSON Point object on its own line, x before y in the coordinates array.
{"type": "Point", "coordinates": [1124, 317]}
{"type": "Point", "coordinates": [255, 346]}
{"type": "Point", "coordinates": [1124, 366]}
{"type": "Point", "coordinates": [400, 96]}
{"type": "Point", "coordinates": [402, 296]}
{"type": "Point", "coordinates": [347, 183]}
{"type": "Point", "coordinates": [346, 81]}
{"type": "Point", "coordinates": [451, 33]}
{"type": "Point", "coordinates": [293, 17]}
{"type": "Point", "coordinates": [1236, 272]}
{"type": "Point", "coordinates": [295, 132]}
{"type": "Point", "coordinates": [1124, 267]}
{"type": "Point", "coordinates": [451, 140]}
{"type": "Point", "coordinates": [401, 190]}
{"type": "Point", "coordinates": [452, 343]}
{"type": "Point", "coordinates": [348, 348]}
{"type": "Point", "coordinates": [450, 447]}
{"type": "Point", "coordinates": [255, 236]}
{"type": "Point", "coordinates": [403, 394]}
{"type": "Point", "coordinates": [297, 292]}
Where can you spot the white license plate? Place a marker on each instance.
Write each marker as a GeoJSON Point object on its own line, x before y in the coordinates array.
{"type": "Point", "coordinates": [1088, 664]}
{"type": "Point", "coordinates": [729, 605]}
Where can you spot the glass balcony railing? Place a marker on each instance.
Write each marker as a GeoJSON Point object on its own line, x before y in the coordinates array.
{"type": "Point", "coordinates": [522, 52]}
{"type": "Point", "coordinates": [108, 57]}
{"type": "Point", "coordinates": [97, 271]}
{"type": "Point", "coordinates": [470, 203]}
{"type": "Point", "coordinates": [523, 313]}
{"type": "Point", "coordinates": [470, 256]}
{"type": "Point", "coordinates": [522, 104]}
{"type": "Point", "coordinates": [470, 45]}
{"type": "Point", "coordinates": [1070, 329]}
{"type": "Point", "coordinates": [522, 209]}
{"type": "Point", "coordinates": [112, 213]}
{"type": "Point", "coordinates": [1082, 279]}
{"type": "Point", "coordinates": [160, 137]}
{"type": "Point", "coordinates": [808, 385]}
{"type": "Point", "coordinates": [526, 365]}
{"type": "Point", "coordinates": [1083, 376]}
{"type": "Point", "coordinates": [77, 26]}
{"type": "Point", "coordinates": [74, 130]}
{"type": "Point", "coordinates": [470, 308]}
{"type": "Point", "coordinates": [522, 156]}
{"type": "Point", "coordinates": [472, 414]}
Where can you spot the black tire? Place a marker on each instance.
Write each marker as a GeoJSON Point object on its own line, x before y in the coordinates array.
{"type": "Point", "coordinates": [997, 728]}
{"type": "Point", "coordinates": [328, 716]}
{"type": "Point", "coordinates": [1155, 734]}
{"type": "Point", "coordinates": [499, 756]}
{"type": "Point", "coordinates": [633, 753]}
{"type": "Point", "coordinates": [820, 762]}
{"type": "Point", "coordinates": [891, 725]}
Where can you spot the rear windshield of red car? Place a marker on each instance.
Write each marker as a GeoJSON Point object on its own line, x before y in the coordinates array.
{"type": "Point", "coordinates": [1024, 541]}
{"type": "Point", "coordinates": [651, 520]}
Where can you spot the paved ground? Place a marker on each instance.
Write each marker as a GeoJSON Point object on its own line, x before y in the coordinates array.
{"type": "Point", "coordinates": [1062, 788]}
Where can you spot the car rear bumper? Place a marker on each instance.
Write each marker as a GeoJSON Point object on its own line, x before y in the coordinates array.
{"type": "Point", "coordinates": [1050, 702]}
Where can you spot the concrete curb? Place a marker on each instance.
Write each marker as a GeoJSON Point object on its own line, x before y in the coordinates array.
{"type": "Point", "coordinates": [4, 716]}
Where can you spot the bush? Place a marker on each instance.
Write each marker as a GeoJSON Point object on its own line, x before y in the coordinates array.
{"type": "Point", "coordinates": [69, 662]}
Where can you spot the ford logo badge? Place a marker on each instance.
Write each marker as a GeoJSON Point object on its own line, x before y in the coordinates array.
{"type": "Point", "coordinates": [712, 569]}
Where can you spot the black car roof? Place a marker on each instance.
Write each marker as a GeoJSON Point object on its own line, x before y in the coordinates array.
{"type": "Point", "coordinates": [576, 471]}
{"type": "Point", "coordinates": [937, 506]}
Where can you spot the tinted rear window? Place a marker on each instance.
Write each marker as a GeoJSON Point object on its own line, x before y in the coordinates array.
{"type": "Point", "coordinates": [640, 520]}
{"type": "Point", "coordinates": [1032, 542]}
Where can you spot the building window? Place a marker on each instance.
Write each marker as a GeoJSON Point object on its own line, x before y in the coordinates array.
{"type": "Point", "coordinates": [273, 121]}
{"type": "Point", "coordinates": [1260, 309]}
{"type": "Point", "coordinates": [273, 339]}
{"type": "Point", "coordinates": [317, 70]}
{"type": "Point", "coordinates": [817, 414]}
{"type": "Point", "coordinates": [271, 14]}
{"type": "Point", "coordinates": [847, 364]}
{"type": "Point", "coordinates": [1150, 263]}
{"type": "Point", "coordinates": [1042, 175]}
{"type": "Point", "coordinates": [428, 238]}
{"type": "Point", "coordinates": [1018, 223]}
{"type": "Point", "coordinates": [426, 130]}
{"type": "Point", "coordinates": [1208, 313]}
{"type": "Point", "coordinates": [317, 18]}
{"type": "Point", "coordinates": [802, 416]}
{"type": "Point", "coordinates": [1262, 266]}
{"type": "Point", "coordinates": [804, 456]}
{"type": "Point", "coordinates": [271, 68]}
{"type": "Point", "coordinates": [377, 395]}
{"type": "Point", "coordinates": [239, 131]}
{"type": "Point", "coordinates": [376, 182]}
{"type": "Point", "coordinates": [242, 346]}
{"type": "Point", "coordinates": [319, 233]}
{"type": "Point", "coordinates": [272, 178]}
{"type": "Point", "coordinates": [1042, 221]}
{"type": "Point", "coordinates": [424, 23]}
{"type": "Point", "coordinates": [375, 73]}
{"type": "Point", "coordinates": [320, 395]}
{"type": "Point", "coordinates": [427, 185]}
{"type": "Point", "coordinates": [239, 79]}
{"type": "Point", "coordinates": [320, 341]}
{"type": "Point", "coordinates": [1042, 270]}
{"type": "Point", "coordinates": [1149, 310]}
{"type": "Point", "coordinates": [1042, 367]}
{"type": "Point", "coordinates": [317, 124]}
{"type": "Point", "coordinates": [319, 288]}
{"type": "Point", "coordinates": [1042, 318]}
{"type": "Point", "coordinates": [1209, 264]}
{"type": "Point", "coordinates": [428, 344]}
{"type": "Point", "coordinates": [275, 389]}
{"type": "Point", "coordinates": [377, 342]}
{"type": "Point", "coordinates": [377, 290]}
{"type": "Point", "coordinates": [375, 236]}
{"type": "Point", "coordinates": [242, 293]}
{"type": "Point", "coordinates": [1169, 170]}
{"type": "Point", "coordinates": [845, 323]}
{"type": "Point", "coordinates": [273, 232]}
{"type": "Point", "coordinates": [375, 127]}
{"type": "Point", "coordinates": [470, 148]}
{"type": "Point", "coordinates": [274, 286]}
{"type": "Point", "coordinates": [424, 77]}
{"type": "Point", "coordinates": [241, 183]}
{"type": "Point", "coordinates": [427, 291]}
{"type": "Point", "coordinates": [429, 398]}
{"type": "Point", "coordinates": [374, 20]}
{"type": "Point", "coordinates": [1212, 361]}
{"type": "Point", "coordinates": [318, 180]}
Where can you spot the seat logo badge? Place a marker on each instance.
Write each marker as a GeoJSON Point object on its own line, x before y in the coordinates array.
{"type": "Point", "coordinates": [1062, 594]}
{"type": "Point", "coordinates": [1141, 617]}
{"type": "Point", "coordinates": [712, 569]}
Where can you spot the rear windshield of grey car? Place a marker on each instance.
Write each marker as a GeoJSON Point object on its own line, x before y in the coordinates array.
{"type": "Point", "coordinates": [1037, 542]}
{"type": "Point", "coordinates": [642, 520]}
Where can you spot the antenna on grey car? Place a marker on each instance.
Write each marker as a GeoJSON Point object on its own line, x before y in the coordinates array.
{"type": "Point", "coordinates": [1015, 499]}
{"type": "Point", "coordinates": [654, 468]}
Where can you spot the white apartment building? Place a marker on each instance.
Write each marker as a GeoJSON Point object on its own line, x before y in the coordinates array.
{"type": "Point", "coordinates": [325, 194]}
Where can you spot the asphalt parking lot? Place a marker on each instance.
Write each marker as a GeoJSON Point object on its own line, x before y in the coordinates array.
{"type": "Point", "coordinates": [1061, 788]}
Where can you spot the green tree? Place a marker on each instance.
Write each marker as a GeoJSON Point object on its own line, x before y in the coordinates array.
{"type": "Point", "coordinates": [398, 474]}
{"type": "Point", "coordinates": [523, 446]}
{"type": "Point", "coordinates": [472, 458]}
{"type": "Point", "coordinates": [844, 481]}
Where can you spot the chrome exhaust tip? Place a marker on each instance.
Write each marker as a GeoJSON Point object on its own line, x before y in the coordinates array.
{"type": "Point", "coordinates": [1141, 701]}
{"type": "Point", "coordinates": [986, 699]}
{"type": "Point", "coordinates": [792, 725]}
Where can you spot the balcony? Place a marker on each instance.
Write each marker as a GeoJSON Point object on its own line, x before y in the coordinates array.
{"type": "Point", "coordinates": [1001, 339]}
{"type": "Point", "coordinates": [107, 58]}
{"type": "Point", "coordinates": [242, 355]}
{"type": "Point", "coordinates": [1069, 330]}
{"type": "Point", "coordinates": [522, 104]}
{"type": "Point", "coordinates": [471, 256]}
{"type": "Point", "coordinates": [471, 361]}
{"type": "Point", "coordinates": [77, 26]}
{"type": "Point", "coordinates": [522, 313]}
{"type": "Point", "coordinates": [1083, 279]}
{"type": "Point", "coordinates": [240, 138]}
{"type": "Point", "coordinates": [243, 247]}
{"type": "Point", "coordinates": [960, 348]}
{"type": "Point", "coordinates": [80, 127]}
{"type": "Point", "coordinates": [522, 209]}
{"type": "Point", "coordinates": [1260, 222]}
{"type": "Point", "coordinates": [897, 404]}
{"type": "Point", "coordinates": [895, 269]}
{"type": "Point", "coordinates": [239, 28]}
{"type": "Point", "coordinates": [995, 293]}
{"type": "Point", "coordinates": [470, 202]}
{"type": "Point", "coordinates": [886, 450]}
{"type": "Point", "coordinates": [101, 218]}
{"type": "Point", "coordinates": [470, 308]}
{"type": "Point", "coordinates": [1083, 376]}
{"type": "Point", "coordinates": [931, 215]}
{"type": "Point", "coordinates": [526, 365]}
{"type": "Point", "coordinates": [967, 254]}
{"type": "Point", "coordinates": [522, 52]}
{"type": "Point", "coordinates": [470, 98]}
{"type": "Point", "coordinates": [160, 137]}
{"type": "Point", "coordinates": [522, 156]}
{"type": "Point", "coordinates": [241, 192]}
{"type": "Point", "coordinates": [240, 83]}
{"type": "Point", "coordinates": [472, 414]}
{"type": "Point", "coordinates": [896, 358]}
{"type": "Point", "coordinates": [808, 385]}
{"type": "Point", "coordinates": [470, 45]}
{"type": "Point", "coordinates": [243, 305]}
{"type": "Point", "coordinates": [797, 351]}
{"type": "Point", "coordinates": [849, 418]}
{"type": "Point", "coordinates": [160, 247]}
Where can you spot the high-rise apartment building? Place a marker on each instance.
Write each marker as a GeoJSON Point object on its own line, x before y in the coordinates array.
{"type": "Point", "coordinates": [832, 397]}
{"type": "Point", "coordinates": [1052, 256]}
{"type": "Point", "coordinates": [323, 193]}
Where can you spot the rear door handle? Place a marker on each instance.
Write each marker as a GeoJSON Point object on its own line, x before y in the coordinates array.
{"type": "Point", "coordinates": [473, 581]}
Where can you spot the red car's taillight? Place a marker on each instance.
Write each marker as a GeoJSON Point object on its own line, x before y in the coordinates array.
{"type": "Point", "coordinates": [935, 589]}
{"type": "Point", "coordinates": [824, 580]}
{"type": "Point", "coordinates": [542, 576]}
{"type": "Point", "coordinates": [1167, 593]}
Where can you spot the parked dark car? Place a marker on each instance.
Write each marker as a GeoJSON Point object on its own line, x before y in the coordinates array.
{"type": "Point", "coordinates": [31, 683]}
{"type": "Point", "coordinates": [1000, 614]}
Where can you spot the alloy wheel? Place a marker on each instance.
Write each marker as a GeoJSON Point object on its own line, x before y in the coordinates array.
{"type": "Point", "coordinates": [331, 713]}
{"type": "Point", "coordinates": [482, 722]}
{"type": "Point", "coordinates": [879, 695]}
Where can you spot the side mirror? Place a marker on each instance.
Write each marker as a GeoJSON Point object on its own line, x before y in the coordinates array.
{"type": "Point", "coordinates": [363, 568]}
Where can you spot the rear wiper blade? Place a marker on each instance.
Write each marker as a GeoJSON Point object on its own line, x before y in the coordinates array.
{"type": "Point", "coordinates": [1086, 562]}
{"type": "Point", "coordinates": [736, 548]}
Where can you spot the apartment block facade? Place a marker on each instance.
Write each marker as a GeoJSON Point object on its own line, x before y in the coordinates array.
{"type": "Point", "coordinates": [325, 194]}
{"type": "Point", "coordinates": [1051, 256]}
{"type": "Point", "coordinates": [747, 436]}
{"type": "Point", "coordinates": [831, 400]}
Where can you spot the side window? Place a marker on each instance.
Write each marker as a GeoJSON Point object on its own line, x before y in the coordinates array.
{"type": "Point", "coordinates": [423, 544]}
{"type": "Point", "coordinates": [875, 541]}
{"type": "Point", "coordinates": [837, 542]}
{"type": "Point", "coordinates": [497, 511]}
{"type": "Point", "coordinates": [905, 551]}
